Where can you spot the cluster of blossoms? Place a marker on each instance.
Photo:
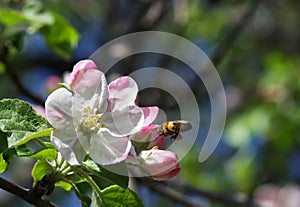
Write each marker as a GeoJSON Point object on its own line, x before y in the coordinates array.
{"type": "Point", "coordinates": [100, 120]}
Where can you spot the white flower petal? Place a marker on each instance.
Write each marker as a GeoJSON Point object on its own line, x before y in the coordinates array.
{"type": "Point", "coordinates": [150, 114]}
{"type": "Point", "coordinates": [69, 146]}
{"type": "Point", "coordinates": [123, 122]}
{"type": "Point", "coordinates": [106, 149]}
{"type": "Point", "coordinates": [124, 89]}
{"type": "Point", "coordinates": [59, 108]}
{"type": "Point", "coordinates": [92, 90]}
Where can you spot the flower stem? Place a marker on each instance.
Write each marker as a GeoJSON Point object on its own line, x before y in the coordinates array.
{"type": "Point", "coordinates": [92, 183]}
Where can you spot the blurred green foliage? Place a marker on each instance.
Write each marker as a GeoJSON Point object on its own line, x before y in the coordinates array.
{"type": "Point", "coordinates": [59, 35]}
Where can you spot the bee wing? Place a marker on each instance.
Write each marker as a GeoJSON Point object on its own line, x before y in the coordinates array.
{"type": "Point", "coordinates": [185, 126]}
{"type": "Point", "coordinates": [179, 137]}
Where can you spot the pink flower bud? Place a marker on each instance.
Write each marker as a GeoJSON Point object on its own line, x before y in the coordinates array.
{"type": "Point", "coordinates": [149, 134]}
{"type": "Point", "coordinates": [160, 164]}
{"type": "Point", "coordinates": [79, 69]}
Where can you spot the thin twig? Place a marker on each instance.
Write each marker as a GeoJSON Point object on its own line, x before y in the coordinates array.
{"type": "Point", "coordinates": [168, 192]}
{"type": "Point", "coordinates": [24, 194]}
{"type": "Point", "coordinates": [228, 199]}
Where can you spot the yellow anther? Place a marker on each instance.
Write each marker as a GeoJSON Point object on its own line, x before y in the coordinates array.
{"type": "Point", "coordinates": [100, 125]}
{"type": "Point", "coordinates": [90, 121]}
{"type": "Point", "coordinates": [86, 109]}
{"type": "Point", "coordinates": [95, 110]}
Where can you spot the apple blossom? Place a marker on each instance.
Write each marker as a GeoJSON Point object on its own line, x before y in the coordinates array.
{"type": "Point", "coordinates": [159, 164]}
{"type": "Point", "coordinates": [95, 119]}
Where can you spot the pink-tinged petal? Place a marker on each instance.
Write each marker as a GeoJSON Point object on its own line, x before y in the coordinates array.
{"type": "Point", "coordinates": [79, 69]}
{"type": "Point", "coordinates": [167, 176]}
{"type": "Point", "coordinates": [69, 146]}
{"type": "Point", "coordinates": [150, 114]}
{"type": "Point", "coordinates": [149, 134]}
{"type": "Point", "coordinates": [111, 104]}
{"type": "Point", "coordinates": [59, 108]}
{"type": "Point", "coordinates": [92, 83]}
{"type": "Point", "coordinates": [91, 92]}
{"type": "Point", "coordinates": [125, 89]}
{"type": "Point", "coordinates": [158, 142]}
{"type": "Point", "coordinates": [159, 163]}
{"type": "Point", "coordinates": [106, 149]}
{"type": "Point", "coordinates": [123, 122]}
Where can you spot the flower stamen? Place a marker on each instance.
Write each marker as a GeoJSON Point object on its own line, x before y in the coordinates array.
{"type": "Point", "coordinates": [90, 121]}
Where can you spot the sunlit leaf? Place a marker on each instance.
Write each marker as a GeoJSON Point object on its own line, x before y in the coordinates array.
{"type": "Point", "coordinates": [3, 164]}
{"type": "Point", "coordinates": [66, 186]}
{"type": "Point", "coordinates": [11, 17]}
{"type": "Point", "coordinates": [16, 141]}
{"type": "Point", "coordinates": [47, 153]}
{"type": "Point", "coordinates": [20, 119]}
{"type": "Point", "coordinates": [40, 169]}
{"type": "Point", "coordinates": [116, 196]}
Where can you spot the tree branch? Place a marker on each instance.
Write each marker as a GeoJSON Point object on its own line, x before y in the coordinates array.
{"type": "Point", "coordinates": [229, 199]}
{"type": "Point", "coordinates": [24, 194]}
{"type": "Point", "coordinates": [167, 192]}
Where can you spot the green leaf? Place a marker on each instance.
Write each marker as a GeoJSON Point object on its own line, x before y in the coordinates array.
{"type": "Point", "coordinates": [3, 164]}
{"type": "Point", "coordinates": [66, 186]}
{"type": "Point", "coordinates": [9, 154]}
{"type": "Point", "coordinates": [23, 151]}
{"type": "Point", "coordinates": [104, 177]}
{"type": "Point", "coordinates": [115, 196]}
{"type": "Point", "coordinates": [43, 154]}
{"type": "Point", "coordinates": [60, 36]}
{"type": "Point", "coordinates": [17, 115]}
{"type": "Point", "coordinates": [16, 141]}
{"type": "Point", "coordinates": [20, 119]}
{"type": "Point", "coordinates": [40, 169]}
{"type": "Point", "coordinates": [11, 17]}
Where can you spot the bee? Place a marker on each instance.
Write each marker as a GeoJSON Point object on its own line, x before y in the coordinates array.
{"type": "Point", "coordinates": [172, 128]}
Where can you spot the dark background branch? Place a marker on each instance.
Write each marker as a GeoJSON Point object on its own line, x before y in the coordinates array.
{"type": "Point", "coordinates": [228, 199]}
{"type": "Point", "coordinates": [167, 192]}
{"type": "Point", "coordinates": [24, 194]}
